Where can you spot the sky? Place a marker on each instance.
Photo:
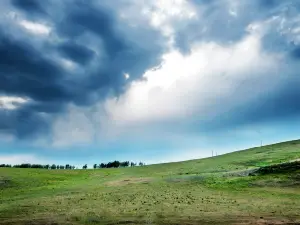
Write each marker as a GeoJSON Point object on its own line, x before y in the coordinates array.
{"type": "Point", "coordinates": [152, 81]}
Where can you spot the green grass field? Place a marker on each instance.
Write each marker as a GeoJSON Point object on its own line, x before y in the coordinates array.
{"type": "Point", "coordinates": [214, 190]}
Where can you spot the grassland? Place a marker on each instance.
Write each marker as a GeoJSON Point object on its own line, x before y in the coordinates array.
{"type": "Point", "coordinates": [214, 190]}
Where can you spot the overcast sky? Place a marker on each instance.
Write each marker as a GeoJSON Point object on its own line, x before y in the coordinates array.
{"type": "Point", "coordinates": [146, 80]}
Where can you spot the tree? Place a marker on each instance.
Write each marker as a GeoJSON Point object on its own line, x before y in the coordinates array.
{"type": "Point", "coordinates": [25, 165]}
{"type": "Point", "coordinates": [38, 166]}
{"type": "Point", "coordinates": [95, 166]}
{"type": "Point", "coordinates": [5, 165]}
{"type": "Point", "coordinates": [124, 164]}
{"type": "Point", "coordinates": [67, 166]}
{"type": "Point", "coordinates": [84, 167]}
{"type": "Point", "coordinates": [53, 167]}
{"type": "Point", "coordinates": [116, 164]}
{"type": "Point", "coordinates": [142, 164]}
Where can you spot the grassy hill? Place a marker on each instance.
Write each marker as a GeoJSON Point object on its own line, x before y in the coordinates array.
{"type": "Point", "coordinates": [216, 190]}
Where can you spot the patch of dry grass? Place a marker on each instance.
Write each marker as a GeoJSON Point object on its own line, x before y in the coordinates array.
{"type": "Point", "coordinates": [126, 181]}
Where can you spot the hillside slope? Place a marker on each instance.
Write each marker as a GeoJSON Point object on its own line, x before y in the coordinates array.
{"type": "Point", "coordinates": [214, 190]}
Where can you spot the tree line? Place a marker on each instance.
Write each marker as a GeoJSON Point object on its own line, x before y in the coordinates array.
{"type": "Point", "coordinates": [115, 164]}
{"type": "Point", "coordinates": [40, 166]}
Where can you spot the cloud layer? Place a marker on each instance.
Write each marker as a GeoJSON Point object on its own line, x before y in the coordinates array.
{"type": "Point", "coordinates": [71, 52]}
{"type": "Point", "coordinates": [78, 73]}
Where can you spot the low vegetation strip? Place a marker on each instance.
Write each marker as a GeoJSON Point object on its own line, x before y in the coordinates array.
{"type": "Point", "coordinates": [278, 168]}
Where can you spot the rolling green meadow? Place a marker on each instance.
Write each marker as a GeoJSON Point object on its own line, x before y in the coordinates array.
{"type": "Point", "coordinates": [217, 190]}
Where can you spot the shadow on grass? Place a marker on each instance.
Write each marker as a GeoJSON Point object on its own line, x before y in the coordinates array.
{"type": "Point", "coordinates": [289, 167]}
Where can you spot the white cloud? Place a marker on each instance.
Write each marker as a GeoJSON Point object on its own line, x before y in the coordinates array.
{"type": "Point", "coordinates": [291, 28]}
{"type": "Point", "coordinates": [76, 127]}
{"type": "Point", "coordinates": [185, 85]}
{"type": "Point", "coordinates": [233, 6]}
{"type": "Point", "coordinates": [6, 137]}
{"type": "Point", "coordinates": [35, 28]}
{"type": "Point", "coordinates": [67, 64]}
{"type": "Point", "coordinates": [127, 76]}
{"type": "Point", "coordinates": [11, 102]}
{"type": "Point", "coordinates": [161, 15]}
{"type": "Point", "coordinates": [20, 158]}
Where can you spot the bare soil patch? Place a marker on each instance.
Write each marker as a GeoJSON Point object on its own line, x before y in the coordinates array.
{"type": "Point", "coordinates": [129, 181]}
{"type": "Point", "coordinates": [269, 221]}
{"type": "Point", "coordinates": [5, 182]}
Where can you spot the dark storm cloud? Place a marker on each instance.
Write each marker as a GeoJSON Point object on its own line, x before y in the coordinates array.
{"type": "Point", "coordinates": [28, 60]}
{"type": "Point", "coordinates": [85, 18]}
{"type": "Point", "coordinates": [25, 71]}
{"type": "Point", "coordinates": [102, 47]}
{"type": "Point", "coordinates": [295, 53]}
{"type": "Point", "coordinates": [23, 123]}
{"type": "Point", "coordinates": [215, 24]}
{"type": "Point", "coordinates": [31, 6]}
{"type": "Point", "coordinates": [267, 4]}
{"type": "Point", "coordinates": [283, 105]}
{"type": "Point", "coordinates": [224, 23]}
{"type": "Point", "coordinates": [76, 52]}
{"type": "Point", "coordinates": [271, 105]}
